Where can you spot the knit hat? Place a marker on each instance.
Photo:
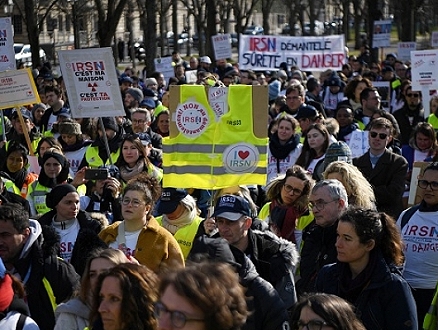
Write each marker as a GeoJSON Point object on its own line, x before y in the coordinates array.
{"type": "Point", "coordinates": [337, 151]}
{"type": "Point", "coordinates": [69, 127]}
{"type": "Point", "coordinates": [109, 123]}
{"type": "Point", "coordinates": [58, 193]}
{"type": "Point", "coordinates": [39, 105]}
{"type": "Point", "coordinates": [136, 93]}
{"type": "Point", "coordinates": [150, 81]}
{"type": "Point", "coordinates": [6, 291]}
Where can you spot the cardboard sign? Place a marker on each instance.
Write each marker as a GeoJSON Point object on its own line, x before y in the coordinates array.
{"type": "Point", "coordinates": [404, 50]}
{"type": "Point", "coordinates": [91, 81]}
{"type": "Point", "coordinates": [7, 53]}
{"type": "Point", "coordinates": [424, 64]}
{"type": "Point", "coordinates": [307, 53]}
{"type": "Point", "coordinates": [17, 87]}
{"type": "Point", "coordinates": [164, 65]}
{"type": "Point", "coordinates": [382, 34]}
{"type": "Point", "coordinates": [221, 46]}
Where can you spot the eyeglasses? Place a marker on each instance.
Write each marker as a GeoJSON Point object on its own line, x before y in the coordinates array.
{"type": "Point", "coordinates": [288, 188]}
{"type": "Point", "coordinates": [382, 136]}
{"type": "Point", "coordinates": [319, 205]}
{"type": "Point", "coordinates": [423, 184]}
{"type": "Point", "coordinates": [413, 95]}
{"type": "Point", "coordinates": [178, 319]}
{"type": "Point", "coordinates": [311, 325]}
{"type": "Point", "coordinates": [134, 202]}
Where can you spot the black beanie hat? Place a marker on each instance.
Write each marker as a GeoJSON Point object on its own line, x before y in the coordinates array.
{"type": "Point", "coordinates": [58, 193]}
{"type": "Point", "coordinates": [110, 123]}
{"type": "Point", "coordinates": [62, 176]}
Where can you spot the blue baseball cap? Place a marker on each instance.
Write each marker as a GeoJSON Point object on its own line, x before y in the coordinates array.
{"type": "Point", "coordinates": [232, 207]}
{"type": "Point", "coordinates": [170, 198]}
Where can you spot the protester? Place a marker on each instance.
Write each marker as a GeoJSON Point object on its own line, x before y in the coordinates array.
{"type": "Point", "coordinates": [124, 299]}
{"type": "Point", "coordinates": [369, 250]}
{"type": "Point", "coordinates": [205, 296]}
{"type": "Point", "coordinates": [139, 234]}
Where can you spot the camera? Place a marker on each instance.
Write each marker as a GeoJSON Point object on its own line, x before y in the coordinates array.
{"type": "Point", "coordinates": [96, 174]}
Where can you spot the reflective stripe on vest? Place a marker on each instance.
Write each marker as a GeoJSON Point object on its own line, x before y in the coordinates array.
{"type": "Point", "coordinates": [94, 160]}
{"type": "Point", "coordinates": [50, 293]}
{"type": "Point", "coordinates": [208, 161]}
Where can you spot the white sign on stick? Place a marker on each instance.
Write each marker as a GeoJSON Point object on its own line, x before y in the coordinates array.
{"type": "Point", "coordinates": [404, 50]}
{"type": "Point", "coordinates": [164, 65]}
{"type": "Point", "coordinates": [91, 81]}
{"type": "Point", "coordinates": [7, 53]}
{"type": "Point", "coordinates": [222, 46]}
{"type": "Point", "coordinates": [382, 34]}
{"type": "Point", "coordinates": [424, 64]}
{"type": "Point", "coordinates": [17, 87]}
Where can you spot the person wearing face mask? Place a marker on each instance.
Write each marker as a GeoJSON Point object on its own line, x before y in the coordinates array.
{"type": "Point", "coordinates": [76, 229]}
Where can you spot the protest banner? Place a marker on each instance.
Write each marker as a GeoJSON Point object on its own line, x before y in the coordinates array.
{"type": "Point", "coordinates": [91, 81]}
{"type": "Point", "coordinates": [404, 50]}
{"type": "Point", "coordinates": [307, 53]}
{"type": "Point", "coordinates": [382, 34]}
{"type": "Point", "coordinates": [7, 53]}
{"type": "Point", "coordinates": [164, 65]}
{"type": "Point", "coordinates": [221, 46]}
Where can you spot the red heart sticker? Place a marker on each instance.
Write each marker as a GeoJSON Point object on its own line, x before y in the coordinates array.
{"type": "Point", "coordinates": [243, 154]}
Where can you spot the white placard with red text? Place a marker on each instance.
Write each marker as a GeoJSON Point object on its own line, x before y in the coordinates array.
{"type": "Point", "coordinates": [91, 81]}
{"type": "Point", "coordinates": [222, 46]}
{"type": "Point", "coordinates": [424, 64]}
{"type": "Point", "coordinates": [7, 53]}
{"type": "Point", "coordinates": [308, 53]}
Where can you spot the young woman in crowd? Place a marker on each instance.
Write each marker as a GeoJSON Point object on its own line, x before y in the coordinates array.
{"type": "Point", "coordinates": [74, 314]}
{"type": "Point", "coordinates": [284, 146]}
{"type": "Point", "coordinates": [324, 311]}
{"type": "Point", "coordinates": [124, 299]}
{"type": "Point", "coordinates": [133, 158]}
{"type": "Point", "coordinates": [315, 145]}
{"type": "Point", "coordinates": [288, 208]}
{"type": "Point", "coordinates": [139, 234]}
{"type": "Point", "coordinates": [352, 92]}
{"type": "Point", "coordinates": [369, 250]}
{"type": "Point", "coordinates": [204, 296]}
{"type": "Point", "coordinates": [161, 123]}
{"type": "Point", "coordinates": [359, 191]}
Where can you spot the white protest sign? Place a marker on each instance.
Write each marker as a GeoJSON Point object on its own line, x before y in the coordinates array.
{"type": "Point", "coordinates": [404, 50]}
{"type": "Point", "coordinates": [164, 65]}
{"type": "Point", "coordinates": [382, 34]}
{"type": "Point", "coordinates": [385, 93]}
{"type": "Point", "coordinates": [191, 76]}
{"type": "Point", "coordinates": [434, 39]}
{"type": "Point", "coordinates": [307, 53]}
{"type": "Point", "coordinates": [218, 99]}
{"type": "Point", "coordinates": [221, 46]}
{"type": "Point", "coordinates": [91, 81]}
{"type": "Point", "coordinates": [358, 143]}
{"type": "Point", "coordinates": [424, 64]}
{"type": "Point", "coordinates": [7, 53]}
{"type": "Point", "coordinates": [17, 87]}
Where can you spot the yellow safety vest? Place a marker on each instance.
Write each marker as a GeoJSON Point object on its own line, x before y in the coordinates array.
{"type": "Point", "coordinates": [94, 160]}
{"type": "Point", "coordinates": [433, 120]}
{"type": "Point", "coordinates": [34, 144]}
{"type": "Point", "coordinates": [210, 153]}
{"type": "Point", "coordinates": [430, 319]}
{"type": "Point", "coordinates": [185, 235]}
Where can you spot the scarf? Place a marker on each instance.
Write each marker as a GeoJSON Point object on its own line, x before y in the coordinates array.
{"type": "Point", "coordinates": [281, 151]}
{"type": "Point", "coordinates": [349, 288]}
{"type": "Point", "coordinates": [128, 173]}
{"type": "Point", "coordinates": [18, 177]}
{"type": "Point", "coordinates": [185, 219]}
{"type": "Point", "coordinates": [284, 218]}
{"type": "Point", "coordinates": [344, 131]}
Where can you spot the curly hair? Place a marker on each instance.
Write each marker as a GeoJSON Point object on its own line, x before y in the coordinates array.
{"type": "Point", "coordinates": [350, 89]}
{"type": "Point", "coordinates": [359, 190]}
{"type": "Point", "coordinates": [335, 311]}
{"type": "Point", "coordinates": [273, 191]}
{"type": "Point", "coordinates": [139, 287]}
{"type": "Point", "coordinates": [148, 186]}
{"type": "Point", "coordinates": [380, 227]}
{"type": "Point", "coordinates": [213, 288]}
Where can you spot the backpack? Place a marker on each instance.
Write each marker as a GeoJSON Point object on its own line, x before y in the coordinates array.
{"type": "Point", "coordinates": [408, 215]}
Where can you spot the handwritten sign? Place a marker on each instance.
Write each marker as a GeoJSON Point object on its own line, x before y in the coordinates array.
{"type": "Point", "coordinates": [424, 64]}
{"type": "Point", "coordinates": [221, 46]}
{"type": "Point", "coordinates": [17, 87]}
{"type": "Point", "coordinates": [91, 81]}
{"type": "Point", "coordinates": [308, 53]}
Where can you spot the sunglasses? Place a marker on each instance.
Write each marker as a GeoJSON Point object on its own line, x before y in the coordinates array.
{"type": "Point", "coordinates": [382, 136]}
{"type": "Point", "coordinates": [413, 95]}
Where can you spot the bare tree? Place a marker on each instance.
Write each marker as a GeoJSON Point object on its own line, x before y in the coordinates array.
{"type": "Point", "coordinates": [292, 10]}
{"type": "Point", "coordinates": [148, 21]}
{"type": "Point", "coordinates": [197, 8]}
{"type": "Point", "coordinates": [34, 14]}
{"type": "Point", "coordinates": [243, 10]}
{"type": "Point", "coordinates": [406, 13]}
{"type": "Point", "coordinates": [163, 11]}
{"type": "Point", "coordinates": [109, 13]}
{"type": "Point", "coordinates": [266, 12]}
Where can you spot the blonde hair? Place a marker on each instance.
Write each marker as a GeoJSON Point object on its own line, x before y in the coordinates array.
{"type": "Point", "coordinates": [359, 190]}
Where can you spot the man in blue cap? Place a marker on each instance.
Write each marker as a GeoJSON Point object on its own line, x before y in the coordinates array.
{"type": "Point", "coordinates": [274, 258]}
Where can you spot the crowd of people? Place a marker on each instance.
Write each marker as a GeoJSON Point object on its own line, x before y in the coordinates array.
{"type": "Point", "coordinates": [89, 238]}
